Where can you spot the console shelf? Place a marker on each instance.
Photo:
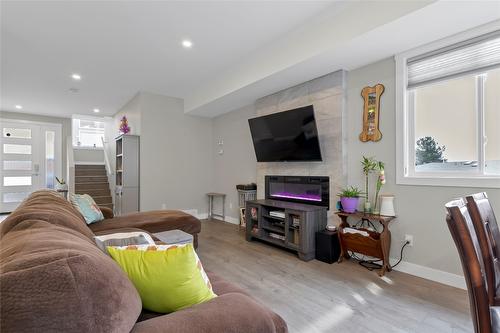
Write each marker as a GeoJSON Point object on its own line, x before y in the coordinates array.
{"type": "Point", "coordinates": [295, 231]}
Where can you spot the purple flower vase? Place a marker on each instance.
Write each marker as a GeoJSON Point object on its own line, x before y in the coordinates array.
{"type": "Point", "coordinates": [349, 205]}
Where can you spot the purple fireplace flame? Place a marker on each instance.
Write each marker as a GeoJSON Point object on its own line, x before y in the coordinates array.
{"type": "Point", "coordinates": [288, 195]}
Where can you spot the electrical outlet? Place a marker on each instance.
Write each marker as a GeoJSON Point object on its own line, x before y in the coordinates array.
{"type": "Point", "coordinates": [409, 239]}
{"type": "Point", "coordinates": [230, 205]}
{"type": "Point", "coordinates": [163, 206]}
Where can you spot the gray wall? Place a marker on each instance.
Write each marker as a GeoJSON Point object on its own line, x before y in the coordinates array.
{"type": "Point", "coordinates": [237, 165]}
{"type": "Point", "coordinates": [88, 155]}
{"type": "Point", "coordinates": [420, 209]}
{"type": "Point", "coordinates": [176, 155]}
{"type": "Point", "coordinates": [326, 94]}
{"type": "Point", "coordinates": [66, 128]}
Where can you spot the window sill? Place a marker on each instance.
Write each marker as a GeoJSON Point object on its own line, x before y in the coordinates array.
{"type": "Point", "coordinates": [452, 181]}
{"type": "Point", "coordinates": [87, 148]}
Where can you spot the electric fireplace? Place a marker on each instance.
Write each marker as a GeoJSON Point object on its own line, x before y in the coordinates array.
{"type": "Point", "coordinates": [310, 190]}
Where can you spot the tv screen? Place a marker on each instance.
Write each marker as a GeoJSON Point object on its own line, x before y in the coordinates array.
{"type": "Point", "coordinates": [286, 136]}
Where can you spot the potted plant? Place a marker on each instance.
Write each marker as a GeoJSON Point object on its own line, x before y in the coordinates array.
{"type": "Point", "coordinates": [369, 164]}
{"type": "Point", "coordinates": [349, 198]}
{"type": "Point", "coordinates": [61, 184]}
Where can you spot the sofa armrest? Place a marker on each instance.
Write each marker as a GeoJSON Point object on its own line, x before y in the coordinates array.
{"type": "Point", "coordinates": [228, 313]}
{"type": "Point", "coordinates": [107, 212]}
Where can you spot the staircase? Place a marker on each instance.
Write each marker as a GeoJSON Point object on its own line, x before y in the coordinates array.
{"type": "Point", "coordinates": [92, 180]}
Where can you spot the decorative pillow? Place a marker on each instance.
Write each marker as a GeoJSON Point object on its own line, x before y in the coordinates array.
{"type": "Point", "coordinates": [167, 277]}
{"type": "Point", "coordinates": [87, 207]}
{"type": "Point", "coordinates": [123, 239]}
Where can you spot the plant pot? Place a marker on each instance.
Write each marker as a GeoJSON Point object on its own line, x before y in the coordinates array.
{"type": "Point", "coordinates": [61, 187]}
{"type": "Point", "coordinates": [349, 205]}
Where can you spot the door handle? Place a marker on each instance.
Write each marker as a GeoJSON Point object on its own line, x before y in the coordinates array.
{"type": "Point", "coordinates": [36, 169]}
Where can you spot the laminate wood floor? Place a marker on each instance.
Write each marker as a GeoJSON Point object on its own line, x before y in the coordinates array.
{"type": "Point", "coordinates": [318, 297]}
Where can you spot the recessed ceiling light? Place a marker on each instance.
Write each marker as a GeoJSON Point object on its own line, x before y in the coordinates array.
{"type": "Point", "coordinates": [97, 110]}
{"type": "Point", "coordinates": [19, 107]}
{"type": "Point", "coordinates": [187, 43]}
{"type": "Point", "coordinates": [76, 77]}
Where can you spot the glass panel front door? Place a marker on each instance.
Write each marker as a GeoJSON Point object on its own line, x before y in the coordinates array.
{"type": "Point", "coordinates": [30, 158]}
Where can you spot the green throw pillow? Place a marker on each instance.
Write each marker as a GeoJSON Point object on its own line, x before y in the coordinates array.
{"type": "Point", "coordinates": [167, 277]}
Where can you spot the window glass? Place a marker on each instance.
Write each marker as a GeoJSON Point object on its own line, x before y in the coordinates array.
{"type": "Point", "coordinates": [16, 149]}
{"type": "Point", "coordinates": [17, 165]}
{"type": "Point", "coordinates": [17, 181]}
{"type": "Point", "coordinates": [492, 122]}
{"type": "Point", "coordinates": [50, 145]}
{"type": "Point", "coordinates": [18, 133]}
{"type": "Point", "coordinates": [14, 197]}
{"type": "Point", "coordinates": [445, 126]}
{"type": "Point", "coordinates": [88, 133]}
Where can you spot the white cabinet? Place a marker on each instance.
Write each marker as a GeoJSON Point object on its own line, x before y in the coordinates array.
{"type": "Point", "coordinates": [127, 174]}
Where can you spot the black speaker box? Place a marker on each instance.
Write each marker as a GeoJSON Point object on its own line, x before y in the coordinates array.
{"type": "Point", "coordinates": [327, 246]}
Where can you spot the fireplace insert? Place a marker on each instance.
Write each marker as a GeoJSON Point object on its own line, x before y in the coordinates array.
{"type": "Point", "coordinates": [312, 190]}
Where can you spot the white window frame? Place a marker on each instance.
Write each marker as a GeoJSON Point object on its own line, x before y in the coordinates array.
{"type": "Point", "coordinates": [74, 131]}
{"type": "Point", "coordinates": [405, 123]}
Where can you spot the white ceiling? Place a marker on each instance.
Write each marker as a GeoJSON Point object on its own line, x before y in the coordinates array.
{"type": "Point", "coordinates": [242, 50]}
{"type": "Point", "coordinates": [121, 48]}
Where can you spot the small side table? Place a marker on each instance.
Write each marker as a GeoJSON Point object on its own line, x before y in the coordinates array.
{"type": "Point", "coordinates": [211, 197]}
{"type": "Point", "coordinates": [371, 243]}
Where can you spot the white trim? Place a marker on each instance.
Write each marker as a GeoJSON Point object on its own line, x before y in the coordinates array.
{"type": "Point", "coordinates": [232, 220]}
{"type": "Point", "coordinates": [403, 158]}
{"type": "Point", "coordinates": [432, 274]}
{"type": "Point", "coordinates": [88, 148]}
{"type": "Point", "coordinates": [40, 123]}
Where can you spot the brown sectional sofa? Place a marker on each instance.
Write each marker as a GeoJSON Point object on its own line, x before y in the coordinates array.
{"type": "Point", "coordinates": [53, 278]}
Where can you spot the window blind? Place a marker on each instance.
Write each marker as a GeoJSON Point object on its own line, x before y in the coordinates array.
{"type": "Point", "coordinates": [468, 57]}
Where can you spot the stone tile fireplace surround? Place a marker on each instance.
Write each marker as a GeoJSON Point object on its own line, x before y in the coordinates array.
{"type": "Point", "coordinates": [327, 95]}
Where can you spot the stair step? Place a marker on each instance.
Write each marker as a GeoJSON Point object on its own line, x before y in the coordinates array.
{"type": "Point", "coordinates": [102, 200]}
{"type": "Point", "coordinates": [109, 205]}
{"type": "Point", "coordinates": [90, 167]}
{"type": "Point", "coordinates": [95, 192]}
{"type": "Point", "coordinates": [91, 186]}
{"type": "Point", "coordinates": [90, 172]}
{"type": "Point", "coordinates": [90, 179]}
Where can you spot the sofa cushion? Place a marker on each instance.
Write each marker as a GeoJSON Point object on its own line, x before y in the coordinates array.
{"type": "Point", "coordinates": [152, 221]}
{"type": "Point", "coordinates": [123, 239]}
{"type": "Point", "coordinates": [168, 277]}
{"type": "Point", "coordinates": [231, 312]}
{"type": "Point", "coordinates": [54, 278]}
{"type": "Point", "coordinates": [49, 206]}
{"type": "Point", "coordinates": [87, 207]}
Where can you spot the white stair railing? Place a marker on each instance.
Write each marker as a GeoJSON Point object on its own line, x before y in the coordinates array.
{"type": "Point", "coordinates": [109, 169]}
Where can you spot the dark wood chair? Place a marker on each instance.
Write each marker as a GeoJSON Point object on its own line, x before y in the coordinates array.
{"type": "Point", "coordinates": [484, 317]}
{"type": "Point", "coordinates": [488, 234]}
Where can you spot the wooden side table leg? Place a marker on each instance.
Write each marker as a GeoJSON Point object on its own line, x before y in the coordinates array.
{"type": "Point", "coordinates": [343, 252]}
{"type": "Point", "coordinates": [385, 240]}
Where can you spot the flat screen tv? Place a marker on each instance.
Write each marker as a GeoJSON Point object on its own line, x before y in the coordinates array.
{"type": "Point", "coordinates": [288, 136]}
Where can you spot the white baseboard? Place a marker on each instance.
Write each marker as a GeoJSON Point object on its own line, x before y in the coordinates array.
{"type": "Point", "coordinates": [232, 220]}
{"type": "Point", "coordinates": [432, 274]}
{"type": "Point", "coordinates": [204, 216]}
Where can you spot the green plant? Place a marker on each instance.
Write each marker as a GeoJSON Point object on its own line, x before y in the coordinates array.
{"type": "Point", "coordinates": [369, 164]}
{"type": "Point", "coordinates": [61, 181]}
{"type": "Point", "coordinates": [428, 150]}
{"type": "Point", "coordinates": [380, 181]}
{"type": "Point", "coordinates": [350, 192]}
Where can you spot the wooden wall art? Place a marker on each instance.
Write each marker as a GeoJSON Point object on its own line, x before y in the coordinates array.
{"type": "Point", "coordinates": [371, 110]}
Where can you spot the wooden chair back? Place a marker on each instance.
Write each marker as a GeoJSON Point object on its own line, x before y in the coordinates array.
{"type": "Point", "coordinates": [486, 227]}
{"type": "Point", "coordinates": [463, 233]}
